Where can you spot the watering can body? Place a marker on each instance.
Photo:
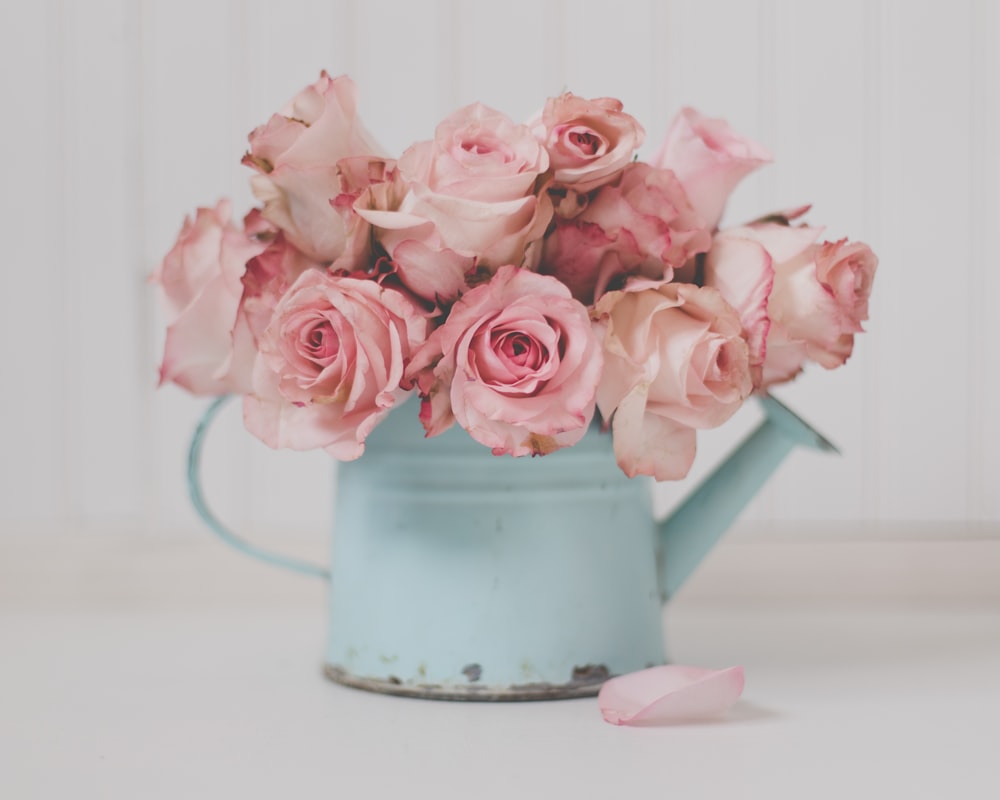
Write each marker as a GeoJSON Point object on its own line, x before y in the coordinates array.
{"type": "Point", "coordinates": [459, 575]}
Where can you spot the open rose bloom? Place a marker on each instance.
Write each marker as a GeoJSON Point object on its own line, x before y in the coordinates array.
{"type": "Point", "coordinates": [522, 278]}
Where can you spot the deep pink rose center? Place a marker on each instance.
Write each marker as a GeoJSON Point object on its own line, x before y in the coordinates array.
{"type": "Point", "coordinates": [320, 343]}
{"type": "Point", "coordinates": [586, 143]}
{"type": "Point", "coordinates": [517, 359]}
{"type": "Point", "coordinates": [520, 349]}
{"type": "Point", "coordinates": [583, 142]}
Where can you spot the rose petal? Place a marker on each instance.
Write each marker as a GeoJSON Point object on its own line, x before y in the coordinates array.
{"type": "Point", "coordinates": [296, 154]}
{"type": "Point", "coordinates": [710, 159]}
{"type": "Point", "coordinates": [669, 694]}
{"type": "Point", "coordinates": [741, 269]}
{"type": "Point", "coordinates": [589, 141]}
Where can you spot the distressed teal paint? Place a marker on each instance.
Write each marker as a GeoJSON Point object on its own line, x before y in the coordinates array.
{"type": "Point", "coordinates": [692, 530]}
{"type": "Point", "coordinates": [458, 574]}
{"type": "Point", "coordinates": [197, 495]}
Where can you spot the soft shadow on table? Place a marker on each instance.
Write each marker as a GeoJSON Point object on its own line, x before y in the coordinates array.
{"type": "Point", "coordinates": [745, 711]}
{"type": "Point", "coordinates": [742, 712]}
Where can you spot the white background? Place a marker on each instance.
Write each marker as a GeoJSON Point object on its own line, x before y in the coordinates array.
{"type": "Point", "coordinates": [163, 666]}
{"type": "Point", "coordinates": [120, 117]}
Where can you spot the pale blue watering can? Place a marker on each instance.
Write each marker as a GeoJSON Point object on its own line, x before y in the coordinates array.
{"type": "Point", "coordinates": [456, 574]}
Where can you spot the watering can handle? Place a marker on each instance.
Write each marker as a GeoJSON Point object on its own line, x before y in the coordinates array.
{"type": "Point", "coordinates": [201, 506]}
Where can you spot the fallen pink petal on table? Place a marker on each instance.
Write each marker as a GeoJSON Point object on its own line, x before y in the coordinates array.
{"type": "Point", "coordinates": [669, 694]}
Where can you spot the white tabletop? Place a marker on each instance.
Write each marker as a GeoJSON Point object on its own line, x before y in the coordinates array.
{"type": "Point", "coordinates": [166, 668]}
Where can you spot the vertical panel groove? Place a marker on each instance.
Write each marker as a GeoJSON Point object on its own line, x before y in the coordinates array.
{"type": "Point", "coordinates": [56, 86]}
{"type": "Point", "coordinates": [554, 19]}
{"type": "Point", "coordinates": [989, 214]}
{"type": "Point", "coordinates": [882, 303]}
{"type": "Point", "coordinates": [659, 43]}
{"type": "Point", "coordinates": [872, 200]}
{"type": "Point", "coordinates": [454, 54]}
{"type": "Point", "coordinates": [766, 21]}
{"type": "Point", "coordinates": [975, 316]}
{"type": "Point", "coordinates": [351, 43]}
{"type": "Point", "coordinates": [766, 28]}
{"type": "Point", "coordinates": [137, 209]}
{"type": "Point", "coordinates": [144, 86]}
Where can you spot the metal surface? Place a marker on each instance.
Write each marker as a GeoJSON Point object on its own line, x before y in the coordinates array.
{"type": "Point", "coordinates": [452, 567]}
{"type": "Point", "coordinates": [459, 575]}
{"type": "Point", "coordinates": [470, 692]}
{"type": "Point", "coordinates": [690, 533]}
{"type": "Point", "coordinates": [197, 494]}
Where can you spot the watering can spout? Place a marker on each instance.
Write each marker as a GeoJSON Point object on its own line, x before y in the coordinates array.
{"type": "Point", "coordinates": [688, 534]}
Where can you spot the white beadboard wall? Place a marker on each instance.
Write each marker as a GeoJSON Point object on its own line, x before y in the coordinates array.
{"type": "Point", "coordinates": [121, 116]}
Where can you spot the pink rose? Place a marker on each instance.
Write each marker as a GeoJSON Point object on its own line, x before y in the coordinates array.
{"type": "Point", "coordinates": [200, 282]}
{"type": "Point", "coordinates": [589, 141]}
{"type": "Point", "coordinates": [268, 276]}
{"type": "Point", "coordinates": [366, 183]}
{"type": "Point", "coordinates": [427, 267]}
{"type": "Point", "coordinates": [740, 268]}
{"type": "Point", "coordinates": [296, 155]}
{"type": "Point", "coordinates": [331, 364]}
{"type": "Point", "coordinates": [642, 224]}
{"type": "Point", "coordinates": [516, 363]}
{"type": "Point", "coordinates": [477, 154]}
{"type": "Point", "coordinates": [820, 298]}
{"type": "Point", "coordinates": [472, 202]}
{"type": "Point", "coordinates": [710, 159]}
{"type": "Point", "coordinates": [674, 360]}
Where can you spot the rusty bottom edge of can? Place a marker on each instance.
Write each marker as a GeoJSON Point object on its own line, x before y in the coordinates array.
{"type": "Point", "coordinates": [588, 687]}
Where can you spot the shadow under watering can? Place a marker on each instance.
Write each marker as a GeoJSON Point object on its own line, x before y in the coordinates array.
{"type": "Point", "coordinates": [459, 575]}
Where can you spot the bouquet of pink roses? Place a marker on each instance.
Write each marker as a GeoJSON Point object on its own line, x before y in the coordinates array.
{"type": "Point", "coordinates": [520, 278]}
